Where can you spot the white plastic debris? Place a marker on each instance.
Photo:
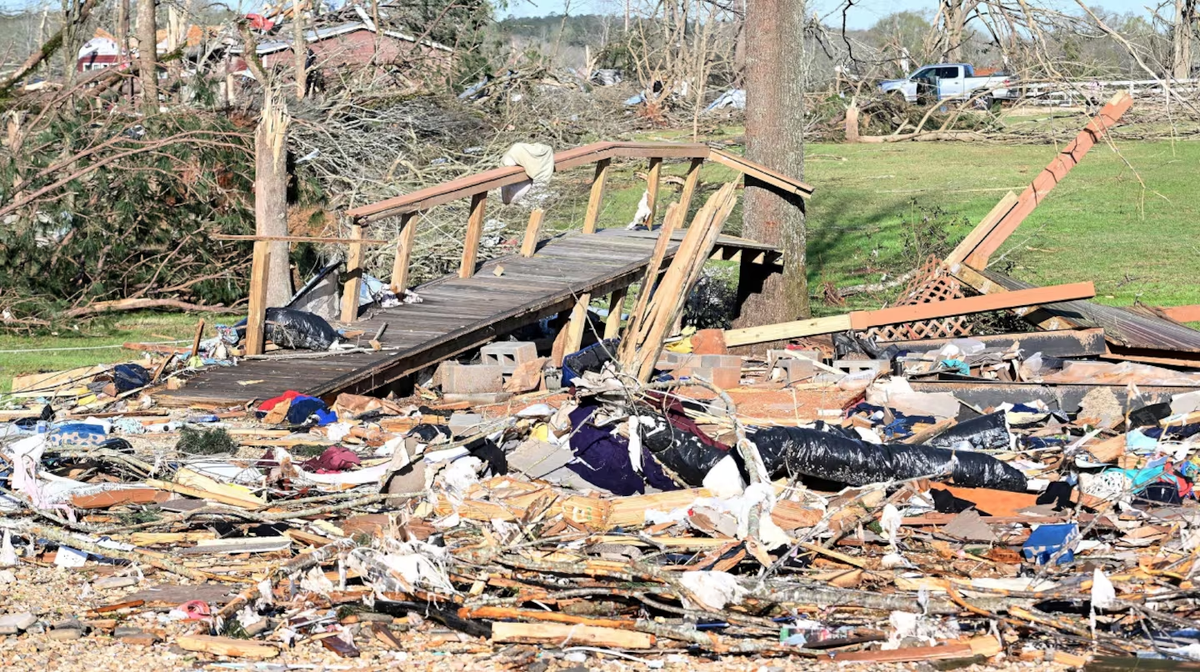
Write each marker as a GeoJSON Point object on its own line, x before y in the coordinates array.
{"type": "Point", "coordinates": [8, 554]}
{"type": "Point", "coordinates": [714, 590]}
{"type": "Point", "coordinates": [69, 557]}
{"type": "Point", "coordinates": [891, 521]}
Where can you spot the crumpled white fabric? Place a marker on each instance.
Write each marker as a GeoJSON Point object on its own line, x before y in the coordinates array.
{"type": "Point", "coordinates": [714, 590]}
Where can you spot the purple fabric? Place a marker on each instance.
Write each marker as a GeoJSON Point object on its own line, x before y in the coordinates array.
{"type": "Point", "coordinates": [603, 459]}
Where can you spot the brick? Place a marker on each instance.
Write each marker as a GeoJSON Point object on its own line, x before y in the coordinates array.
{"type": "Point", "coordinates": [472, 378]}
{"type": "Point", "coordinates": [508, 354]}
{"type": "Point", "coordinates": [709, 342]}
{"type": "Point", "coordinates": [723, 377]}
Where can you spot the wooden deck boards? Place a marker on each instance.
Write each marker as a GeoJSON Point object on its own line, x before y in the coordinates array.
{"type": "Point", "coordinates": [455, 315]}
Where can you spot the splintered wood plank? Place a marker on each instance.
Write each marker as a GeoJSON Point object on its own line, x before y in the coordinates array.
{"type": "Point", "coordinates": [652, 180]}
{"type": "Point", "coordinates": [257, 318]}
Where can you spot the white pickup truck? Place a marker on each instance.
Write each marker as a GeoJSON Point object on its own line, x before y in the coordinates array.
{"type": "Point", "coordinates": [948, 81]}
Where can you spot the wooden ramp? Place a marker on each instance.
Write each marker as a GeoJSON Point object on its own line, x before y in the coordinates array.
{"type": "Point", "coordinates": [456, 315]}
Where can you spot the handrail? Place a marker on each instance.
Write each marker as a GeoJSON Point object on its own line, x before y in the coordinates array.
{"type": "Point", "coordinates": [476, 187]}
{"type": "Point", "coordinates": [470, 185]}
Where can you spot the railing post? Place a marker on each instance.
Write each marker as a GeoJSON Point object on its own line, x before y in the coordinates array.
{"type": "Point", "coordinates": [597, 195]}
{"type": "Point", "coordinates": [652, 188]}
{"type": "Point", "coordinates": [612, 324]}
{"type": "Point", "coordinates": [689, 186]}
{"type": "Point", "coordinates": [354, 260]}
{"type": "Point", "coordinates": [404, 245]}
{"type": "Point", "coordinates": [256, 320]}
{"type": "Point", "coordinates": [529, 243]}
{"type": "Point", "coordinates": [474, 233]}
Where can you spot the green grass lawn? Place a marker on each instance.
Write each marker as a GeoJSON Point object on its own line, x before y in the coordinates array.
{"type": "Point", "coordinates": [97, 343]}
{"type": "Point", "coordinates": [1125, 221]}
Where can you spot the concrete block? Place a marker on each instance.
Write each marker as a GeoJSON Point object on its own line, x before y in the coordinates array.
{"type": "Point", "coordinates": [723, 377]}
{"type": "Point", "coordinates": [463, 423]}
{"type": "Point", "coordinates": [674, 361]}
{"type": "Point", "coordinates": [879, 366]}
{"type": "Point", "coordinates": [472, 378]}
{"type": "Point", "coordinates": [508, 354]}
{"type": "Point", "coordinates": [721, 361]}
{"type": "Point", "coordinates": [775, 356]}
{"type": "Point", "coordinates": [796, 370]}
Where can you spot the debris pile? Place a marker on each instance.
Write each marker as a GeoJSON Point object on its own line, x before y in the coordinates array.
{"type": "Point", "coordinates": [651, 498]}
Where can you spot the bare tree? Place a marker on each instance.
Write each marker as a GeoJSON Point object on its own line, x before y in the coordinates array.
{"type": "Point", "coordinates": [148, 55]}
{"type": "Point", "coordinates": [775, 138]}
{"type": "Point", "coordinates": [1181, 39]}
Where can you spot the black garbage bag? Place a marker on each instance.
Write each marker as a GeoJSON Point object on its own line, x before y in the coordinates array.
{"type": "Point", "coordinates": [836, 457]}
{"type": "Point", "coordinates": [298, 330]}
{"type": "Point", "coordinates": [986, 432]}
{"type": "Point", "coordinates": [681, 453]}
{"type": "Point", "coordinates": [130, 377]}
{"type": "Point", "coordinates": [591, 358]}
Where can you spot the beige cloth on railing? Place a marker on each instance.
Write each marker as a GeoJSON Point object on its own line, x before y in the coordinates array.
{"type": "Point", "coordinates": [538, 162]}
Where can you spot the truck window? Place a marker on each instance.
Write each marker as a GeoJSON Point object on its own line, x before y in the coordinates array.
{"type": "Point", "coordinates": [923, 73]}
{"type": "Point", "coordinates": [948, 72]}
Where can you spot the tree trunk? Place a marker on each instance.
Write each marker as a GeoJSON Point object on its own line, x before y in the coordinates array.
{"type": "Point", "coordinates": [955, 15]}
{"type": "Point", "coordinates": [148, 55]}
{"type": "Point", "coordinates": [123, 49]}
{"type": "Point", "coordinates": [1185, 17]}
{"type": "Point", "coordinates": [270, 192]}
{"type": "Point", "coordinates": [775, 63]}
{"type": "Point", "coordinates": [300, 50]}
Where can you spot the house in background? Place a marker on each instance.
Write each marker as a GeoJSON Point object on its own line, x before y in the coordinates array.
{"type": "Point", "coordinates": [99, 53]}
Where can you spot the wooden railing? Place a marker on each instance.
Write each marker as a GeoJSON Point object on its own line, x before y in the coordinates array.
{"type": "Point", "coordinates": [477, 186]}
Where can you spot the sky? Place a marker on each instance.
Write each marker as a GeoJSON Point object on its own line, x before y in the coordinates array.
{"type": "Point", "coordinates": [862, 14]}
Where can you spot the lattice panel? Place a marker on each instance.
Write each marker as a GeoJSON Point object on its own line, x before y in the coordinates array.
{"type": "Point", "coordinates": [931, 283]}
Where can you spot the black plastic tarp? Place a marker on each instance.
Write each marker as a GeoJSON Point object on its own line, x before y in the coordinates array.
{"type": "Point", "coordinates": [834, 456]}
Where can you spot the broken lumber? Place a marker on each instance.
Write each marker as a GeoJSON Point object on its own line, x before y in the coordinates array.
{"type": "Point", "coordinates": [865, 319]}
{"type": "Point", "coordinates": [226, 646]}
{"type": "Point", "coordinates": [991, 234]}
{"type": "Point", "coordinates": [562, 634]}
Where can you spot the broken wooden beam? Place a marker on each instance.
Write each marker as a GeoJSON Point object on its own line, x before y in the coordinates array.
{"type": "Point", "coordinates": [865, 319]}
{"type": "Point", "coordinates": [1037, 190]}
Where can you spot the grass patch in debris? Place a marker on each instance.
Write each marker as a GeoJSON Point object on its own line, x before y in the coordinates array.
{"type": "Point", "coordinates": [205, 442]}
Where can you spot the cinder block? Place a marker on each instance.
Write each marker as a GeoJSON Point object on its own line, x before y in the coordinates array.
{"type": "Point", "coordinates": [721, 361]}
{"type": "Point", "coordinates": [471, 379]}
{"type": "Point", "coordinates": [879, 366]}
{"type": "Point", "coordinates": [776, 356]}
{"type": "Point", "coordinates": [508, 354]}
{"type": "Point", "coordinates": [463, 423]}
{"type": "Point", "coordinates": [796, 370]}
{"type": "Point", "coordinates": [723, 377]}
{"type": "Point", "coordinates": [674, 361]}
